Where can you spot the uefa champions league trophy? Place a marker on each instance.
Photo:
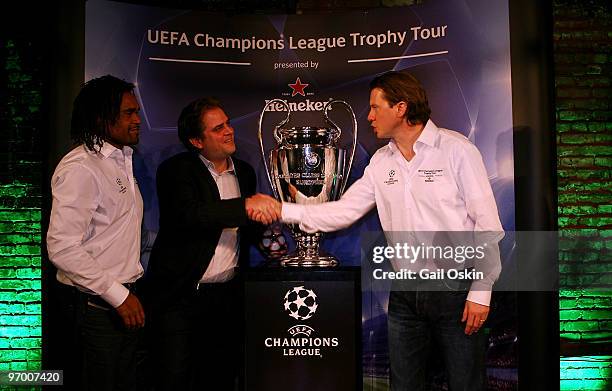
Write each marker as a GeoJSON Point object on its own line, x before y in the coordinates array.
{"type": "Point", "coordinates": [307, 167]}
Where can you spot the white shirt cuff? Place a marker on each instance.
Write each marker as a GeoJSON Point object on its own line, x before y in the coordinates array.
{"type": "Point", "coordinates": [115, 295]}
{"type": "Point", "coordinates": [480, 297]}
{"type": "Point", "coordinates": [291, 213]}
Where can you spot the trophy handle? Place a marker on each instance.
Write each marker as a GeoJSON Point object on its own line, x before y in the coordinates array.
{"type": "Point", "coordinates": [339, 132]}
{"type": "Point", "coordinates": [276, 136]}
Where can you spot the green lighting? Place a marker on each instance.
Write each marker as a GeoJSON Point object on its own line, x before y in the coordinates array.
{"type": "Point", "coordinates": [20, 210]}
{"type": "Point", "coordinates": [586, 373]}
{"type": "Point", "coordinates": [585, 315]}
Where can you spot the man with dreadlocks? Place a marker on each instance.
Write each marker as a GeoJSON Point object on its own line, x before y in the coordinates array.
{"type": "Point", "coordinates": [94, 233]}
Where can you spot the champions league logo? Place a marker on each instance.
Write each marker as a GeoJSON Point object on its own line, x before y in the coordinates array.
{"type": "Point", "coordinates": [300, 303]}
{"type": "Point", "coordinates": [391, 179]}
{"type": "Point", "coordinates": [301, 340]}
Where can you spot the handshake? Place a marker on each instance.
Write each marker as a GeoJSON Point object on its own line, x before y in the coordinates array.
{"type": "Point", "coordinates": [263, 208]}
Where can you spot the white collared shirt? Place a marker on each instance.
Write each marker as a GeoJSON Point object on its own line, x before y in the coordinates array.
{"type": "Point", "coordinates": [94, 231]}
{"type": "Point", "coordinates": [222, 264]}
{"type": "Point", "coordinates": [444, 187]}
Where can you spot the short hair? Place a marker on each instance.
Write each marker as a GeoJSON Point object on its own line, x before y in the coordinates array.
{"type": "Point", "coordinates": [95, 109]}
{"type": "Point", "coordinates": [403, 87]}
{"type": "Point", "coordinates": [190, 120]}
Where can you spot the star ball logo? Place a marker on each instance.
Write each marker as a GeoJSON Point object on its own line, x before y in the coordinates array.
{"type": "Point", "coordinates": [301, 340]}
{"type": "Point", "coordinates": [122, 189]}
{"type": "Point", "coordinates": [300, 303]}
{"type": "Point", "coordinates": [391, 179]}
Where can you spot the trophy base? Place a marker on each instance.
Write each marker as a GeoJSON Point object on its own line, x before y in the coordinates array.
{"type": "Point", "coordinates": [297, 260]}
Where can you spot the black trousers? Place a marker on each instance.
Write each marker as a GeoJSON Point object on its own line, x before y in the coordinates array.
{"type": "Point", "coordinates": [198, 341]}
{"type": "Point", "coordinates": [100, 351]}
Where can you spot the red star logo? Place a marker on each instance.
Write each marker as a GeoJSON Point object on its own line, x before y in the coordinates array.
{"type": "Point", "coordinates": [298, 87]}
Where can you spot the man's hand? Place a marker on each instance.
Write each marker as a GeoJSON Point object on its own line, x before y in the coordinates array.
{"type": "Point", "coordinates": [131, 312]}
{"type": "Point", "coordinates": [293, 191]}
{"type": "Point", "coordinates": [474, 315]}
{"type": "Point", "coordinates": [263, 208]}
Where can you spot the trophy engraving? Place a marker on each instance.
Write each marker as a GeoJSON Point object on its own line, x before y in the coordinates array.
{"type": "Point", "coordinates": [306, 166]}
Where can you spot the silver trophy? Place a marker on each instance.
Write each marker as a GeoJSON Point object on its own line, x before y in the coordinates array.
{"type": "Point", "coordinates": [307, 167]}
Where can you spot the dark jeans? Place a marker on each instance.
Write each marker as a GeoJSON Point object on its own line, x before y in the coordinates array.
{"type": "Point", "coordinates": [415, 317]}
{"type": "Point", "coordinates": [198, 340]}
{"type": "Point", "coordinates": [100, 350]}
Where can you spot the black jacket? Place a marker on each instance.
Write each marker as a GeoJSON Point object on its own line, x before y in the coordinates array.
{"type": "Point", "coordinates": [191, 218]}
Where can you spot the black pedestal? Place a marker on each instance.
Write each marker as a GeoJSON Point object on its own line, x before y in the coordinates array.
{"type": "Point", "coordinates": [303, 329]}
